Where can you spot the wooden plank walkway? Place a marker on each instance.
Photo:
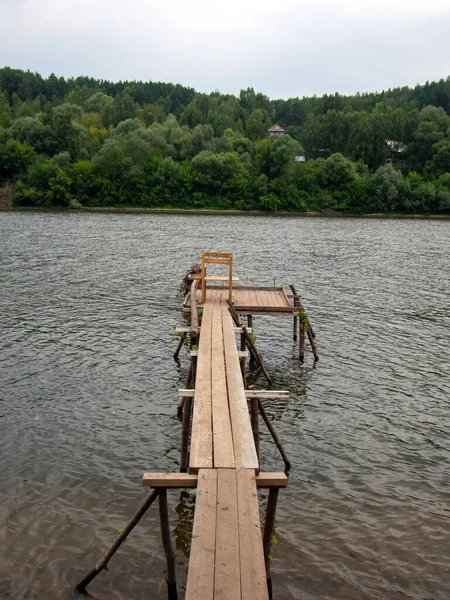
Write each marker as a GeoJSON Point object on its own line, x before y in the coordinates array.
{"type": "Point", "coordinates": [221, 430]}
{"type": "Point", "coordinates": [227, 557]}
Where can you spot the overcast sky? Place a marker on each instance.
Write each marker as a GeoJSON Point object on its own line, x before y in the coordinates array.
{"type": "Point", "coordinates": [283, 48]}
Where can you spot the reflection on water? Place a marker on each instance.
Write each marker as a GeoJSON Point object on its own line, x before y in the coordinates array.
{"type": "Point", "coordinates": [88, 400]}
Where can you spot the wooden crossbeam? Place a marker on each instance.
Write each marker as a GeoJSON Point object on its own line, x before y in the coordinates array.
{"type": "Point", "coordinates": [188, 329]}
{"type": "Point", "coordinates": [186, 480]}
{"type": "Point", "coordinates": [251, 310]}
{"type": "Point", "coordinates": [243, 353]}
{"type": "Point", "coordinates": [185, 393]}
{"type": "Point", "coordinates": [212, 277]}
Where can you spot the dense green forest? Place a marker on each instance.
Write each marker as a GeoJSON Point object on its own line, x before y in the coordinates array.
{"type": "Point", "coordinates": [91, 142]}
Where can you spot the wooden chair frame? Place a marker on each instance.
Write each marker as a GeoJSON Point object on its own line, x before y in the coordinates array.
{"type": "Point", "coordinates": [217, 258]}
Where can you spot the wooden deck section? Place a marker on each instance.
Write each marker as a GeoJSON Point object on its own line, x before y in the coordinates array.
{"type": "Point", "coordinates": [254, 300]}
{"type": "Point", "coordinates": [227, 558]}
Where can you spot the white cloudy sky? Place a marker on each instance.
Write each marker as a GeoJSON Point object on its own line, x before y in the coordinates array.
{"type": "Point", "coordinates": [282, 48]}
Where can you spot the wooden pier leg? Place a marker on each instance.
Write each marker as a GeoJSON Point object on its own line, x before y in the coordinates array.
{"type": "Point", "coordinates": [274, 434]}
{"type": "Point", "coordinates": [194, 371]}
{"type": "Point", "coordinates": [187, 386]}
{"type": "Point", "coordinates": [243, 347]}
{"type": "Point", "coordinates": [255, 423]}
{"type": "Point", "coordinates": [295, 328]}
{"type": "Point", "coordinates": [313, 345]}
{"type": "Point", "coordinates": [185, 426]}
{"type": "Point", "coordinates": [81, 587]}
{"type": "Point", "coordinates": [180, 345]}
{"type": "Point", "coordinates": [167, 544]}
{"type": "Point", "coordinates": [268, 533]}
{"type": "Point", "coordinates": [301, 342]}
{"type": "Point", "coordinates": [194, 332]}
{"type": "Point", "coordinates": [250, 325]}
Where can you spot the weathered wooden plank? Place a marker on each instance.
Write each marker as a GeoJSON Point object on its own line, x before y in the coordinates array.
{"type": "Point", "coordinates": [221, 421]}
{"type": "Point", "coordinates": [227, 580]}
{"type": "Point", "coordinates": [244, 446]}
{"type": "Point", "coordinates": [266, 393]}
{"type": "Point", "coordinates": [185, 480]}
{"type": "Point", "coordinates": [253, 572]}
{"type": "Point", "coordinates": [187, 393]}
{"type": "Point", "coordinates": [285, 298]}
{"type": "Point", "coordinates": [213, 277]}
{"type": "Point", "coordinates": [201, 438]}
{"type": "Point", "coordinates": [254, 297]}
{"type": "Point", "coordinates": [187, 329]}
{"type": "Point", "coordinates": [169, 480]}
{"type": "Point", "coordinates": [243, 353]}
{"type": "Point", "coordinates": [253, 309]}
{"type": "Point", "coordinates": [200, 580]}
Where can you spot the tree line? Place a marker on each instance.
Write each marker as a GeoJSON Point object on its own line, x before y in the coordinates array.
{"type": "Point", "coordinates": [92, 142]}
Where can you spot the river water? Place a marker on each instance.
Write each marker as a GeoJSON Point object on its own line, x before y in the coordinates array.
{"type": "Point", "coordinates": [88, 399]}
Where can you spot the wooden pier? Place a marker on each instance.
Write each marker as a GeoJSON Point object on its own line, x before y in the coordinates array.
{"type": "Point", "coordinates": [229, 557]}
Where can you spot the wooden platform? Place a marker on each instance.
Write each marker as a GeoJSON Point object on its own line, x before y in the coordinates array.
{"type": "Point", "coordinates": [253, 300]}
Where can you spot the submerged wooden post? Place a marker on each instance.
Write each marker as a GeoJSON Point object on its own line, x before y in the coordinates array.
{"type": "Point", "coordinates": [167, 544]}
{"type": "Point", "coordinates": [81, 587]}
{"type": "Point", "coordinates": [185, 425]}
{"type": "Point", "coordinates": [268, 533]}
{"type": "Point", "coordinates": [274, 434]}
{"type": "Point", "coordinates": [301, 341]}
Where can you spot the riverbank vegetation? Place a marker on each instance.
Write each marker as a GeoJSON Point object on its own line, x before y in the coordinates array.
{"type": "Point", "coordinates": [86, 142]}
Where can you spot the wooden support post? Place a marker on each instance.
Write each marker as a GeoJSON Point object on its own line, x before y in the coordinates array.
{"type": "Point", "coordinates": [296, 301]}
{"type": "Point", "coordinates": [180, 345]}
{"type": "Point", "coordinates": [189, 378]}
{"type": "Point", "coordinates": [185, 426]}
{"type": "Point", "coordinates": [194, 371]}
{"type": "Point", "coordinates": [167, 544]}
{"type": "Point", "coordinates": [301, 341]}
{"type": "Point", "coordinates": [313, 346]}
{"type": "Point", "coordinates": [300, 305]}
{"type": "Point", "coordinates": [254, 354]}
{"type": "Point", "coordinates": [243, 347]}
{"type": "Point", "coordinates": [250, 324]}
{"type": "Point", "coordinates": [268, 533]}
{"type": "Point", "coordinates": [194, 331]}
{"type": "Point", "coordinates": [309, 330]}
{"type": "Point", "coordinates": [81, 587]}
{"type": "Point", "coordinates": [255, 423]}
{"type": "Point", "coordinates": [274, 435]}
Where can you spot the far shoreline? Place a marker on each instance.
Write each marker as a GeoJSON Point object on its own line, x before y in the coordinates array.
{"type": "Point", "coordinates": [259, 213]}
{"type": "Point", "coordinates": [210, 211]}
